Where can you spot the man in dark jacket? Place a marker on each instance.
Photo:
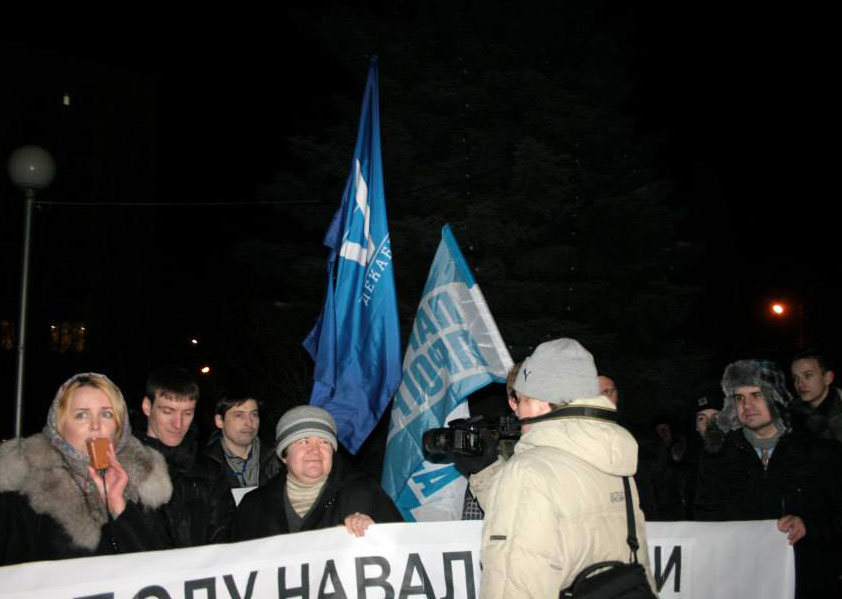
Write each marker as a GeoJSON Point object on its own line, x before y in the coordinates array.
{"type": "Point", "coordinates": [238, 452]}
{"type": "Point", "coordinates": [202, 506]}
{"type": "Point", "coordinates": [764, 470]}
{"type": "Point", "coordinates": [820, 408]}
{"type": "Point", "coordinates": [314, 490]}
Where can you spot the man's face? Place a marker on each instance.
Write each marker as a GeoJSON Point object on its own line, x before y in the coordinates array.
{"type": "Point", "coordinates": [752, 411]}
{"type": "Point", "coordinates": [527, 407]}
{"type": "Point", "coordinates": [309, 460]}
{"type": "Point", "coordinates": [703, 418]}
{"type": "Point", "coordinates": [608, 389]}
{"type": "Point", "coordinates": [664, 432]}
{"type": "Point", "coordinates": [240, 424]}
{"type": "Point", "coordinates": [169, 417]}
{"type": "Point", "coordinates": [811, 383]}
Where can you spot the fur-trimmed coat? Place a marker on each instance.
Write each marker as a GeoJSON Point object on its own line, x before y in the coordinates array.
{"type": "Point", "coordinates": [44, 515]}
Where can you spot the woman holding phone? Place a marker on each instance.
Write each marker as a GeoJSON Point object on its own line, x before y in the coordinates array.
{"type": "Point", "coordinates": [55, 505]}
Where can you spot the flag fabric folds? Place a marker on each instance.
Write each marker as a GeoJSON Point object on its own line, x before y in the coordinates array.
{"type": "Point", "coordinates": [356, 340]}
{"type": "Point", "coordinates": [453, 350]}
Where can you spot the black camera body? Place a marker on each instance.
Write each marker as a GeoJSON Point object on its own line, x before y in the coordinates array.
{"type": "Point", "coordinates": [463, 435]}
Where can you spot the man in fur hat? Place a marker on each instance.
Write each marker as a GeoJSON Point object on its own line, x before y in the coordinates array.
{"type": "Point", "coordinates": [763, 470]}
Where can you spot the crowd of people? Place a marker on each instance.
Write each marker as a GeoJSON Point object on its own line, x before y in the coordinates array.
{"type": "Point", "coordinates": [760, 453]}
{"type": "Point", "coordinates": [552, 503]}
{"type": "Point", "coordinates": [163, 489]}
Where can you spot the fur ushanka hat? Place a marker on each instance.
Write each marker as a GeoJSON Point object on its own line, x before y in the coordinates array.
{"type": "Point", "coordinates": [755, 373]}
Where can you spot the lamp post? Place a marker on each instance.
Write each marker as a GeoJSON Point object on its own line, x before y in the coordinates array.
{"type": "Point", "coordinates": [31, 169]}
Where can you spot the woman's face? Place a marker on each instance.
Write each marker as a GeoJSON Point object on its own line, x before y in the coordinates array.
{"type": "Point", "coordinates": [309, 459]}
{"type": "Point", "coordinates": [89, 414]}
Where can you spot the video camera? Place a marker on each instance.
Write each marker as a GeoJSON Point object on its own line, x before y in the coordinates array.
{"type": "Point", "coordinates": [463, 435]}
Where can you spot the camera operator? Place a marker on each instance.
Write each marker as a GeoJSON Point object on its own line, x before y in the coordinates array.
{"type": "Point", "coordinates": [482, 469]}
{"type": "Point", "coordinates": [557, 505]}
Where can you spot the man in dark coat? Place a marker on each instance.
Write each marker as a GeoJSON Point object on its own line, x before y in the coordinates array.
{"type": "Point", "coordinates": [658, 475]}
{"type": "Point", "coordinates": [314, 490]}
{"type": "Point", "coordinates": [238, 452]}
{"type": "Point", "coordinates": [202, 506]}
{"type": "Point", "coordinates": [762, 470]}
{"type": "Point", "coordinates": [706, 405]}
{"type": "Point", "coordinates": [820, 408]}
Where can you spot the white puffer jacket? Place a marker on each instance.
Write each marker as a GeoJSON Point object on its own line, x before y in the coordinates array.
{"type": "Point", "coordinates": [557, 506]}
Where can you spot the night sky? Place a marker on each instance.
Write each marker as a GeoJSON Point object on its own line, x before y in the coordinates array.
{"type": "Point", "coordinates": [179, 130]}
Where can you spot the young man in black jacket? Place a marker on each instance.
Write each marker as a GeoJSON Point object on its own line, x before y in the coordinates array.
{"type": "Point", "coordinates": [202, 506]}
{"type": "Point", "coordinates": [820, 408]}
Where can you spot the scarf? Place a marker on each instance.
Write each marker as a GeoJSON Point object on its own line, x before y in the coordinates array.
{"type": "Point", "coordinates": [763, 447]}
{"type": "Point", "coordinates": [246, 470]}
{"type": "Point", "coordinates": [302, 497]}
{"type": "Point", "coordinates": [77, 462]}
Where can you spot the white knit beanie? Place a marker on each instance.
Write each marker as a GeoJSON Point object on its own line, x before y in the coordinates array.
{"type": "Point", "coordinates": [558, 372]}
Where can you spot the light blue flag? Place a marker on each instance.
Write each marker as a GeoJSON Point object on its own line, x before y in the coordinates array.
{"type": "Point", "coordinates": [356, 341]}
{"type": "Point", "coordinates": [454, 349]}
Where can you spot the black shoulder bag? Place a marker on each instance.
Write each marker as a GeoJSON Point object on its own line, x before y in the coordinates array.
{"type": "Point", "coordinates": [614, 580]}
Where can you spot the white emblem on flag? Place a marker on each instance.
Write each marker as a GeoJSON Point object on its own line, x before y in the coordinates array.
{"type": "Point", "coordinates": [352, 250]}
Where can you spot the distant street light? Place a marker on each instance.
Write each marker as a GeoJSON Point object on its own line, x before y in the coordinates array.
{"type": "Point", "coordinates": [31, 169]}
{"type": "Point", "coordinates": [778, 309]}
{"type": "Point", "coordinates": [205, 370]}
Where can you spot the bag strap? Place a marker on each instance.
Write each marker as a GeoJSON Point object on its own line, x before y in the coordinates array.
{"type": "Point", "coordinates": [631, 539]}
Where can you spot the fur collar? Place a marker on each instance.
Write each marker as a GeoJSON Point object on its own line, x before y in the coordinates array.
{"type": "Point", "coordinates": [34, 469]}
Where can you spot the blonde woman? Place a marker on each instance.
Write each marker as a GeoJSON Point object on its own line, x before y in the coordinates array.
{"type": "Point", "coordinates": [55, 505]}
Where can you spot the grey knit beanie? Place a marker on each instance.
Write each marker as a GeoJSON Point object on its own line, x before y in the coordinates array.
{"type": "Point", "coordinates": [304, 421]}
{"type": "Point", "coordinates": [558, 372]}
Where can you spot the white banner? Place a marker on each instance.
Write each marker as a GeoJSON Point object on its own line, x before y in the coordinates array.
{"type": "Point", "coordinates": [728, 560]}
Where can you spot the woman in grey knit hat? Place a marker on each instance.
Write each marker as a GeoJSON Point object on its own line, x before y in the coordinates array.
{"type": "Point", "coordinates": [316, 489]}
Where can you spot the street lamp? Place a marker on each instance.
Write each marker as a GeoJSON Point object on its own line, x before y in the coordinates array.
{"type": "Point", "coordinates": [31, 169]}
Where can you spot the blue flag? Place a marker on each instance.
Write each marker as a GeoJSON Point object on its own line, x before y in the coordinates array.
{"type": "Point", "coordinates": [356, 341]}
{"type": "Point", "coordinates": [455, 348]}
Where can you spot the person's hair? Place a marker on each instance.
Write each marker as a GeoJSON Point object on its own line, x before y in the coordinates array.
{"type": "Point", "coordinates": [226, 402]}
{"type": "Point", "coordinates": [511, 377]}
{"type": "Point", "coordinates": [173, 382]}
{"type": "Point", "coordinates": [811, 353]}
{"type": "Point", "coordinates": [97, 381]}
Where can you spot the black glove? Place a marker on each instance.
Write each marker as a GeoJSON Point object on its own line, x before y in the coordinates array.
{"type": "Point", "coordinates": [471, 464]}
